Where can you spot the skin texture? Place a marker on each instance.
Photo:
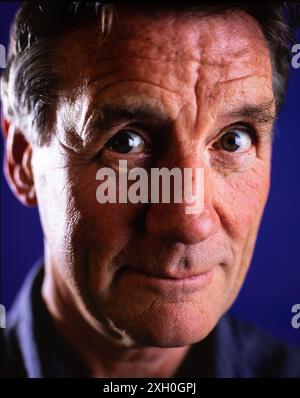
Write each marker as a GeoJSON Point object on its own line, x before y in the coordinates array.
{"type": "Point", "coordinates": [194, 73]}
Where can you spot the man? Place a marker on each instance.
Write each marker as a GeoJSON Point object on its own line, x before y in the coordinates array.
{"type": "Point", "coordinates": [141, 289]}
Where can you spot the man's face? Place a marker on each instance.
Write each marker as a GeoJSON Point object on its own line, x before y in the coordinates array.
{"type": "Point", "coordinates": [188, 92]}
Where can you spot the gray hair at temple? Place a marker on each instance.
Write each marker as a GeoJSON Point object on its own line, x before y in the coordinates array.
{"type": "Point", "coordinates": [30, 83]}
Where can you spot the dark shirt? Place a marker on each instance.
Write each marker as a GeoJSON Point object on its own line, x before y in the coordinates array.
{"type": "Point", "coordinates": [31, 346]}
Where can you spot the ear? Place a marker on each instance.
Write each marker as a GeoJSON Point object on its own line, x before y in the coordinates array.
{"type": "Point", "coordinates": [17, 164]}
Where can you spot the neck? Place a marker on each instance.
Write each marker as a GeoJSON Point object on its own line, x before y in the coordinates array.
{"type": "Point", "coordinates": [101, 355]}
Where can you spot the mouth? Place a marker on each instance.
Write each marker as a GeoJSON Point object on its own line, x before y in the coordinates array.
{"type": "Point", "coordinates": [172, 277]}
{"type": "Point", "coordinates": [164, 282]}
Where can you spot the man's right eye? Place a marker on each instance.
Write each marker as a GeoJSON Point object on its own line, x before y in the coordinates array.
{"type": "Point", "coordinates": [127, 141]}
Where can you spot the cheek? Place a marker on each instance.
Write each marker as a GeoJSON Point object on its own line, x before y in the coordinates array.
{"type": "Point", "coordinates": [108, 225]}
{"type": "Point", "coordinates": [83, 236]}
{"type": "Point", "coordinates": [241, 208]}
{"type": "Point", "coordinates": [241, 198]}
{"type": "Point", "coordinates": [71, 217]}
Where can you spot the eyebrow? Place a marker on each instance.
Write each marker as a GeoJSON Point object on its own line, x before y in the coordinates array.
{"type": "Point", "coordinates": [109, 116]}
{"type": "Point", "coordinates": [260, 113]}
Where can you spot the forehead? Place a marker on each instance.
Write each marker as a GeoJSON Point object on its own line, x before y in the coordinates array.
{"type": "Point", "coordinates": [170, 55]}
{"type": "Point", "coordinates": [219, 41]}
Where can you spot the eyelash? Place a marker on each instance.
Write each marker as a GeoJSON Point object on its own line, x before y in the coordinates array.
{"type": "Point", "coordinates": [140, 130]}
{"type": "Point", "coordinates": [246, 127]}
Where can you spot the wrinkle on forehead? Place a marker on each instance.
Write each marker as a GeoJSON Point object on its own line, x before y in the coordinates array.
{"type": "Point", "coordinates": [201, 57]}
{"type": "Point", "coordinates": [215, 40]}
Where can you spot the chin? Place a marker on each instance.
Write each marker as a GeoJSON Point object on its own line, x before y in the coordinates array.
{"type": "Point", "coordinates": [169, 325]}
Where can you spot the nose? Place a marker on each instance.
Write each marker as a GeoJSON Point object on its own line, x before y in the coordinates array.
{"type": "Point", "coordinates": [171, 221]}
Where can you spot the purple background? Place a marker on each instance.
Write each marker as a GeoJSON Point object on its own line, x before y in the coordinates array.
{"type": "Point", "coordinates": [273, 282]}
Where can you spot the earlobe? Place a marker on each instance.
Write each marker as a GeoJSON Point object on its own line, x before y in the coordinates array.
{"type": "Point", "coordinates": [18, 165]}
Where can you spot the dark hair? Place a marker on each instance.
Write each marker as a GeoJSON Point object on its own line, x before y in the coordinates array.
{"type": "Point", "coordinates": [29, 83]}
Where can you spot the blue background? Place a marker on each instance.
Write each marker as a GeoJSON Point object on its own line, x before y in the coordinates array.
{"type": "Point", "coordinates": [273, 282]}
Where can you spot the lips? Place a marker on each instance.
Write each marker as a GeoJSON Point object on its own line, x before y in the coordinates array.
{"type": "Point", "coordinates": [174, 276]}
{"type": "Point", "coordinates": [169, 287]}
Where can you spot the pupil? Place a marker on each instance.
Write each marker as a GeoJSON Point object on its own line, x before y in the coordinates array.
{"type": "Point", "coordinates": [230, 142]}
{"type": "Point", "coordinates": [123, 143]}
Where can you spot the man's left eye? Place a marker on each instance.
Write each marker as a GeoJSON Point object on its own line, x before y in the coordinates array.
{"type": "Point", "coordinates": [235, 140]}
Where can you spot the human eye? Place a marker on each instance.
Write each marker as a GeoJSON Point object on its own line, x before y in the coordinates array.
{"type": "Point", "coordinates": [127, 141]}
{"type": "Point", "coordinates": [236, 148]}
{"type": "Point", "coordinates": [133, 144]}
{"type": "Point", "coordinates": [237, 139]}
